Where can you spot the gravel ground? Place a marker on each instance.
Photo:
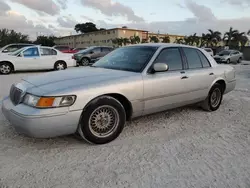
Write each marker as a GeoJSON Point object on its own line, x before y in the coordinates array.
{"type": "Point", "coordinates": [181, 148]}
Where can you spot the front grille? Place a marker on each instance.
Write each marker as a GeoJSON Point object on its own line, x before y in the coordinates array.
{"type": "Point", "coordinates": [15, 94]}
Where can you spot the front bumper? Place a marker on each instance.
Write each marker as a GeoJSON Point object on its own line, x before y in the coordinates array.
{"type": "Point", "coordinates": [40, 123]}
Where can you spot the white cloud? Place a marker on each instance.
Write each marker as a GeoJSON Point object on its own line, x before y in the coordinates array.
{"type": "Point", "coordinates": [66, 21]}
{"type": "Point", "coordinates": [41, 6]}
{"type": "Point", "coordinates": [110, 8]}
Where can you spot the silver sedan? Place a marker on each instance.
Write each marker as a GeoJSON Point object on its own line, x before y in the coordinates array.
{"type": "Point", "coordinates": [131, 81]}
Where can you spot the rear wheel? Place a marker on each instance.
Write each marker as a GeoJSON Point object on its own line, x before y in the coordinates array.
{"type": "Point", "coordinates": [85, 61]}
{"type": "Point", "coordinates": [102, 121]}
{"type": "Point", "coordinates": [5, 68]}
{"type": "Point", "coordinates": [60, 65]}
{"type": "Point", "coordinates": [214, 98]}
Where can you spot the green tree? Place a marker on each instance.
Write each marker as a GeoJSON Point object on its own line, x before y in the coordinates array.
{"type": "Point", "coordinates": [229, 36]}
{"type": "Point", "coordinates": [204, 40]}
{"type": "Point", "coordinates": [45, 40]}
{"type": "Point", "coordinates": [213, 37]}
{"type": "Point", "coordinates": [135, 39]}
{"type": "Point", "coordinates": [10, 36]}
{"type": "Point", "coordinates": [165, 39]}
{"type": "Point", "coordinates": [179, 41]}
{"type": "Point", "coordinates": [154, 39]}
{"type": "Point", "coordinates": [126, 41]}
{"type": "Point", "coordinates": [86, 27]}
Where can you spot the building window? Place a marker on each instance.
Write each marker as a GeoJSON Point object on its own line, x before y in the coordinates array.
{"type": "Point", "coordinates": [108, 32]}
{"type": "Point", "coordinates": [114, 31]}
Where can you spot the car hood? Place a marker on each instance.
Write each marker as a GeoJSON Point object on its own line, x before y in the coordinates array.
{"type": "Point", "coordinates": [73, 78]}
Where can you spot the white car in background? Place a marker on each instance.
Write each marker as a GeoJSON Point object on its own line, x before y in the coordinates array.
{"type": "Point", "coordinates": [210, 51]}
{"type": "Point", "coordinates": [35, 58]}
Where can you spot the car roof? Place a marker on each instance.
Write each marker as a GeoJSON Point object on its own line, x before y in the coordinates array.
{"type": "Point", "coordinates": [163, 45]}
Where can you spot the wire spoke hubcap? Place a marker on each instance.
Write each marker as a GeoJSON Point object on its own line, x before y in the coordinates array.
{"type": "Point", "coordinates": [103, 121]}
{"type": "Point", "coordinates": [5, 69]}
{"type": "Point", "coordinates": [215, 98]}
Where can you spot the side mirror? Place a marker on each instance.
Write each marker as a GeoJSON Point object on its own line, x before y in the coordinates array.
{"type": "Point", "coordinates": [160, 67]}
{"type": "Point", "coordinates": [5, 51]}
{"type": "Point", "coordinates": [20, 55]}
{"type": "Point", "coordinates": [91, 52]}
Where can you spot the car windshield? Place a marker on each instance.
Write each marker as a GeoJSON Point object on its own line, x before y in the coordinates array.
{"type": "Point", "coordinates": [133, 58]}
{"type": "Point", "coordinates": [224, 52]}
{"type": "Point", "coordinates": [15, 53]}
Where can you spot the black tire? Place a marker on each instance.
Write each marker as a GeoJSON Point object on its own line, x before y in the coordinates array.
{"type": "Point", "coordinates": [207, 104]}
{"type": "Point", "coordinates": [60, 65]}
{"type": "Point", "coordinates": [239, 60]}
{"type": "Point", "coordinates": [85, 61]}
{"type": "Point", "coordinates": [6, 68]}
{"type": "Point", "coordinates": [228, 61]}
{"type": "Point", "coordinates": [86, 129]}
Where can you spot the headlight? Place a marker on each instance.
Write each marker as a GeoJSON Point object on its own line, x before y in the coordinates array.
{"type": "Point", "coordinates": [48, 102]}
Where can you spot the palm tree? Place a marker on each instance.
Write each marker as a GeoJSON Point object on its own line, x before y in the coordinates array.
{"type": "Point", "coordinates": [204, 40]}
{"type": "Point", "coordinates": [126, 41]}
{"type": "Point", "coordinates": [179, 41]}
{"type": "Point", "coordinates": [213, 37]}
{"type": "Point", "coordinates": [228, 36]}
{"type": "Point", "coordinates": [135, 39]}
{"type": "Point", "coordinates": [154, 39]}
{"type": "Point", "coordinates": [144, 41]}
{"type": "Point", "coordinates": [165, 39]}
{"type": "Point", "coordinates": [239, 38]}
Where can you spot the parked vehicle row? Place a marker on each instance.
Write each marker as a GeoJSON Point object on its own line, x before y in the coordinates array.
{"type": "Point", "coordinates": [35, 58]}
{"type": "Point", "coordinates": [229, 56]}
{"type": "Point", "coordinates": [67, 49]}
{"type": "Point", "coordinates": [96, 101]}
{"type": "Point", "coordinates": [91, 55]}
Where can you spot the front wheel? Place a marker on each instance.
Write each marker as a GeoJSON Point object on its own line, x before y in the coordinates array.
{"type": "Point", "coordinates": [60, 65]}
{"type": "Point", "coordinates": [5, 68]}
{"type": "Point", "coordinates": [102, 121]}
{"type": "Point", "coordinates": [214, 98]}
{"type": "Point", "coordinates": [85, 61]}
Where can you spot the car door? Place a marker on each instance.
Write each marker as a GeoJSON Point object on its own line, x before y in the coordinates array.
{"type": "Point", "coordinates": [236, 55]}
{"type": "Point", "coordinates": [199, 74]}
{"type": "Point", "coordinates": [95, 53]}
{"type": "Point", "coordinates": [164, 90]}
{"type": "Point", "coordinates": [28, 59]}
{"type": "Point", "coordinates": [48, 57]}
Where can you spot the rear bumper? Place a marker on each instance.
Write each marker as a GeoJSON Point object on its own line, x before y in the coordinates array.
{"type": "Point", "coordinates": [40, 126]}
{"type": "Point", "coordinates": [230, 86]}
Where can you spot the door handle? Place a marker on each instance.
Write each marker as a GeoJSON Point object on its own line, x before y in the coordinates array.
{"type": "Point", "coordinates": [211, 73]}
{"type": "Point", "coordinates": [184, 77]}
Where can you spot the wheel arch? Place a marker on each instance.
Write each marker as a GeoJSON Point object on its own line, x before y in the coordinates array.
{"type": "Point", "coordinates": [220, 81]}
{"type": "Point", "coordinates": [60, 61]}
{"type": "Point", "coordinates": [12, 65]}
{"type": "Point", "coordinates": [121, 98]}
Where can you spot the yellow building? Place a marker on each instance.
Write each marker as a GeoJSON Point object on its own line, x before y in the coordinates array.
{"type": "Point", "coordinates": [105, 37]}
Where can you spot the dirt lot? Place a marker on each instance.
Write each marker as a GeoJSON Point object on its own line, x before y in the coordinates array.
{"type": "Point", "coordinates": [182, 148]}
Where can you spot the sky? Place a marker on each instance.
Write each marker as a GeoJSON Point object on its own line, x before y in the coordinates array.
{"type": "Point", "coordinates": [182, 17]}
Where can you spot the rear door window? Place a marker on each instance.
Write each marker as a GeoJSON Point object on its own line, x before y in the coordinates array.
{"type": "Point", "coordinates": [204, 60]}
{"type": "Point", "coordinates": [193, 58]}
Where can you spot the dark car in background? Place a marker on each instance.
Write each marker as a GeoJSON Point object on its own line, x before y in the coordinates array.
{"type": "Point", "coordinates": [91, 54]}
{"type": "Point", "coordinates": [13, 47]}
